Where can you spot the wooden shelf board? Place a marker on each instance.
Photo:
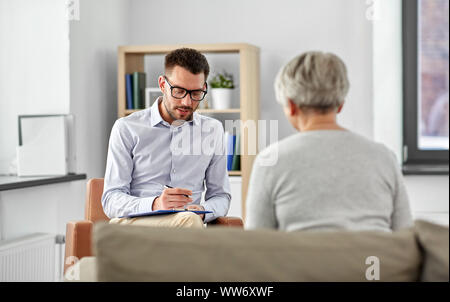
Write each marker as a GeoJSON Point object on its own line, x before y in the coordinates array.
{"type": "Point", "coordinates": [234, 173]}
{"type": "Point", "coordinates": [206, 48]}
{"type": "Point", "coordinates": [210, 111]}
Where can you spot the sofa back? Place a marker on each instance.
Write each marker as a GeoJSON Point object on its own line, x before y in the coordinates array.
{"type": "Point", "coordinates": [433, 240]}
{"type": "Point", "coordinates": [136, 253]}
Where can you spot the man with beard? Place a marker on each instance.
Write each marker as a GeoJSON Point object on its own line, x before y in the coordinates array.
{"type": "Point", "coordinates": [145, 170]}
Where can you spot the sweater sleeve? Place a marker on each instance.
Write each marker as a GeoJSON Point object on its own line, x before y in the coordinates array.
{"type": "Point", "coordinates": [401, 215]}
{"type": "Point", "coordinates": [260, 209]}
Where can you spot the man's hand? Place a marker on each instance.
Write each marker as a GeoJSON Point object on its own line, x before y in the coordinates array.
{"type": "Point", "coordinates": [196, 207]}
{"type": "Point", "coordinates": [173, 198]}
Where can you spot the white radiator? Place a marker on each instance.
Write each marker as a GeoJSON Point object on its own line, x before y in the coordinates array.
{"type": "Point", "coordinates": [29, 258]}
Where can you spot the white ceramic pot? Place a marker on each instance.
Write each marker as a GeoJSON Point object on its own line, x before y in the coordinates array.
{"type": "Point", "coordinates": [221, 98]}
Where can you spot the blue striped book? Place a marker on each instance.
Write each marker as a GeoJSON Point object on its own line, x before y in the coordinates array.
{"type": "Point", "coordinates": [129, 90]}
{"type": "Point", "coordinates": [231, 142]}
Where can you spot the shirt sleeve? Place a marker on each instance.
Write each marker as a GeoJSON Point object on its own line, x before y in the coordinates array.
{"type": "Point", "coordinates": [218, 194]}
{"type": "Point", "coordinates": [401, 215]}
{"type": "Point", "coordinates": [116, 198]}
{"type": "Point", "coordinates": [260, 209]}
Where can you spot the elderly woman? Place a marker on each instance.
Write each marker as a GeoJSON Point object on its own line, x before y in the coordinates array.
{"type": "Point", "coordinates": [326, 177]}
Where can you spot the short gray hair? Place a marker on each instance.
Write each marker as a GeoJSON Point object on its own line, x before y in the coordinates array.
{"type": "Point", "coordinates": [314, 80]}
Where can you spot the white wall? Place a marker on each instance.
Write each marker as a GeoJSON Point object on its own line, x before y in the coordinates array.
{"type": "Point", "coordinates": [34, 79]}
{"type": "Point", "coordinates": [282, 29]}
{"type": "Point", "coordinates": [34, 61]}
{"type": "Point", "coordinates": [429, 197]}
{"type": "Point", "coordinates": [387, 76]}
{"type": "Point", "coordinates": [44, 209]}
{"type": "Point", "coordinates": [103, 26]}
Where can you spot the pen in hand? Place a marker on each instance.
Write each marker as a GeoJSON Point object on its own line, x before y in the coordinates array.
{"type": "Point", "coordinates": [194, 192]}
{"type": "Point", "coordinates": [169, 187]}
{"type": "Point", "coordinates": [184, 207]}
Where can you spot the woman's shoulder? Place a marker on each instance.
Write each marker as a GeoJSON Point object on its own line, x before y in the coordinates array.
{"type": "Point", "coordinates": [313, 141]}
{"type": "Point", "coordinates": [371, 146]}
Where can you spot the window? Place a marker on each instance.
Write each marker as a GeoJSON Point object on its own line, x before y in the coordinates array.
{"type": "Point", "coordinates": [426, 86]}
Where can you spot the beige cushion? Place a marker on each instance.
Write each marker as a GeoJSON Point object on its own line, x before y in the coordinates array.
{"type": "Point", "coordinates": [434, 240]}
{"type": "Point", "coordinates": [135, 253]}
{"type": "Point", "coordinates": [84, 270]}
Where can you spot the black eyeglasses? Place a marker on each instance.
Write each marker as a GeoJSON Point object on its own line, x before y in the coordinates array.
{"type": "Point", "coordinates": [180, 92]}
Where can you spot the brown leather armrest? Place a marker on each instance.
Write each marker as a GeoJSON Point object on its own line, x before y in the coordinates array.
{"type": "Point", "coordinates": [228, 222]}
{"type": "Point", "coordinates": [78, 241]}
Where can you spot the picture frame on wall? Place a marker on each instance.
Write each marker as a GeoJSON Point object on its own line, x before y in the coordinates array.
{"type": "Point", "coordinates": [151, 94]}
{"type": "Point", "coordinates": [46, 145]}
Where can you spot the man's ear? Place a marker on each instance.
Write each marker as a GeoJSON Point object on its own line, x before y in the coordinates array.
{"type": "Point", "coordinates": [161, 83]}
{"type": "Point", "coordinates": [340, 108]}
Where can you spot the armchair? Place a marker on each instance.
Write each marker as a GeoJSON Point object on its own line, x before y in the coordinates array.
{"type": "Point", "coordinates": [79, 233]}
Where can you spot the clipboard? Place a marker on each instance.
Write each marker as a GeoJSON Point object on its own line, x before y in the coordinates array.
{"type": "Point", "coordinates": [163, 212]}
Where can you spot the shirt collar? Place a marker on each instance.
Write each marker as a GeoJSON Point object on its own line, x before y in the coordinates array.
{"type": "Point", "coordinates": [155, 115]}
{"type": "Point", "coordinates": [195, 119]}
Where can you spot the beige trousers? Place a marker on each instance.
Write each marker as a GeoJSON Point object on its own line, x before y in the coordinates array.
{"type": "Point", "coordinates": [177, 220]}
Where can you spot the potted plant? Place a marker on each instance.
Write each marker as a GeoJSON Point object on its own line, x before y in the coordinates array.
{"type": "Point", "coordinates": [222, 86]}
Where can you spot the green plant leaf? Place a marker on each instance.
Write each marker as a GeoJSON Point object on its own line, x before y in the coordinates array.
{"type": "Point", "coordinates": [222, 80]}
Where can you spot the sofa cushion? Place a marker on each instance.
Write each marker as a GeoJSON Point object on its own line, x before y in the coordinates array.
{"type": "Point", "coordinates": [82, 271]}
{"type": "Point", "coordinates": [136, 253]}
{"type": "Point", "coordinates": [433, 240]}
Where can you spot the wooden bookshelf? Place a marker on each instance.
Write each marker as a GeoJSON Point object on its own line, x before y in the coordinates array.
{"type": "Point", "coordinates": [235, 173]}
{"type": "Point", "coordinates": [131, 59]}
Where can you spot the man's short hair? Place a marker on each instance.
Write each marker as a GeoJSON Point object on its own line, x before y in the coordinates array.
{"type": "Point", "coordinates": [188, 58]}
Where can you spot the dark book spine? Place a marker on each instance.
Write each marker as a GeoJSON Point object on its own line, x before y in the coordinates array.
{"type": "Point", "coordinates": [129, 90]}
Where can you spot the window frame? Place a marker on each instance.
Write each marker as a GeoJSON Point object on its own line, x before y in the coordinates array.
{"type": "Point", "coordinates": [415, 161]}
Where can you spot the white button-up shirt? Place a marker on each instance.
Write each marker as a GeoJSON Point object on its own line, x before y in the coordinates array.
{"type": "Point", "coordinates": [145, 153]}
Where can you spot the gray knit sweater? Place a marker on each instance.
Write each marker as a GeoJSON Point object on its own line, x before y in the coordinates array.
{"type": "Point", "coordinates": [327, 180]}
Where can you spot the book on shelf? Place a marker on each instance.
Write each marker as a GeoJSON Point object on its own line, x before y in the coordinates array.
{"type": "Point", "coordinates": [236, 162]}
{"type": "Point", "coordinates": [231, 146]}
{"type": "Point", "coordinates": [138, 89]}
{"type": "Point", "coordinates": [129, 90]}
